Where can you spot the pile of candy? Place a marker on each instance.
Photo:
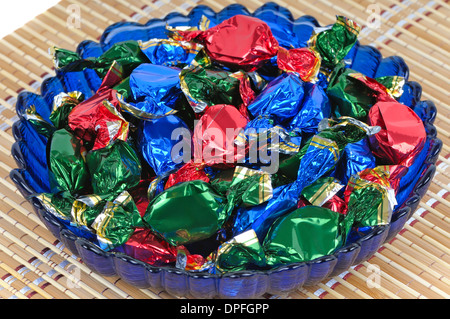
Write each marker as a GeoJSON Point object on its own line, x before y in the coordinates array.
{"type": "Point", "coordinates": [220, 149]}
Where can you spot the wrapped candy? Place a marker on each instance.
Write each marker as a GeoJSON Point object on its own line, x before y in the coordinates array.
{"type": "Point", "coordinates": [63, 104]}
{"type": "Point", "coordinates": [67, 167]}
{"type": "Point", "coordinates": [116, 222]}
{"type": "Point", "coordinates": [274, 106]}
{"type": "Point", "coordinates": [353, 94]}
{"type": "Point", "coordinates": [355, 158]}
{"type": "Point", "coordinates": [334, 43]}
{"type": "Point", "coordinates": [157, 140]}
{"type": "Point", "coordinates": [205, 85]}
{"type": "Point", "coordinates": [314, 108]}
{"type": "Point", "coordinates": [188, 172]}
{"type": "Point", "coordinates": [322, 191]}
{"type": "Point", "coordinates": [303, 61]}
{"type": "Point", "coordinates": [281, 98]}
{"type": "Point", "coordinates": [145, 246]}
{"type": "Point", "coordinates": [402, 134]}
{"type": "Point", "coordinates": [247, 43]}
{"type": "Point", "coordinates": [232, 42]}
{"type": "Point", "coordinates": [114, 168]}
{"type": "Point", "coordinates": [168, 52]}
{"type": "Point", "coordinates": [305, 234]}
{"type": "Point", "coordinates": [242, 252]}
{"type": "Point", "coordinates": [128, 54]}
{"type": "Point", "coordinates": [214, 135]}
{"type": "Point", "coordinates": [98, 120]}
{"type": "Point", "coordinates": [371, 203]}
{"type": "Point", "coordinates": [187, 212]}
{"type": "Point", "coordinates": [154, 88]}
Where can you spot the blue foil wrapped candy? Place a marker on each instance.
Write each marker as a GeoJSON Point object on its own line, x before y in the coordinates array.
{"type": "Point", "coordinates": [169, 52]}
{"type": "Point", "coordinates": [355, 158]}
{"type": "Point", "coordinates": [314, 108]}
{"type": "Point", "coordinates": [157, 139]}
{"type": "Point", "coordinates": [281, 98]}
{"type": "Point", "coordinates": [155, 88]}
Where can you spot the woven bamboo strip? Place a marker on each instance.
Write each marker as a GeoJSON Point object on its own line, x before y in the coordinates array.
{"type": "Point", "coordinates": [424, 17]}
{"type": "Point", "coordinates": [426, 223]}
{"type": "Point", "coordinates": [398, 280]}
{"type": "Point", "coordinates": [38, 271]}
{"type": "Point", "coordinates": [387, 292]}
{"type": "Point", "coordinates": [419, 279]}
{"type": "Point", "coordinates": [417, 263]}
{"type": "Point", "coordinates": [435, 212]}
{"type": "Point", "coordinates": [414, 37]}
{"type": "Point", "coordinates": [424, 252]}
{"type": "Point", "coordinates": [391, 37]}
{"type": "Point", "coordinates": [353, 288]}
{"type": "Point", "coordinates": [14, 291]}
{"type": "Point", "coordinates": [75, 262]}
{"type": "Point", "coordinates": [119, 13]}
{"type": "Point", "coordinates": [36, 288]}
{"type": "Point", "coordinates": [62, 271]}
{"type": "Point", "coordinates": [429, 239]}
{"type": "Point", "coordinates": [402, 53]}
{"type": "Point", "coordinates": [33, 277]}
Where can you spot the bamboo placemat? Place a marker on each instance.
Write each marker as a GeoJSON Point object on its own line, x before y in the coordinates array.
{"type": "Point", "coordinates": [415, 264]}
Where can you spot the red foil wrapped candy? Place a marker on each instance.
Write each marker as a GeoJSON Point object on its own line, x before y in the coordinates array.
{"type": "Point", "coordinates": [402, 135]}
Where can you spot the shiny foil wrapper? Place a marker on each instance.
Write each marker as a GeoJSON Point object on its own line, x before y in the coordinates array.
{"type": "Point", "coordinates": [369, 203]}
{"type": "Point", "coordinates": [128, 54]}
{"type": "Point", "coordinates": [232, 42]}
{"type": "Point", "coordinates": [305, 234]}
{"type": "Point", "coordinates": [155, 89]}
{"type": "Point", "coordinates": [280, 99]}
{"type": "Point", "coordinates": [334, 43]}
{"type": "Point", "coordinates": [242, 252]}
{"type": "Point", "coordinates": [98, 121]}
{"type": "Point", "coordinates": [402, 134]}
{"type": "Point", "coordinates": [146, 246]}
{"type": "Point", "coordinates": [114, 168]}
{"type": "Point", "coordinates": [303, 61]}
{"type": "Point", "coordinates": [116, 222]}
{"type": "Point", "coordinates": [355, 158]}
{"type": "Point", "coordinates": [169, 52]}
{"type": "Point", "coordinates": [353, 94]}
{"type": "Point", "coordinates": [214, 136]}
{"type": "Point", "coordinates": [63, 104]}
{"type": "Point", "coordinates": [187, 212]}
{"type": "Point", "coordinates": [205, 85]}
{"type": "Point", "coordinates": [188, 172]}
{"type": "Point", "coordinates": [67, 166]}
{"type": "Point", "coordinates": [157, 141]}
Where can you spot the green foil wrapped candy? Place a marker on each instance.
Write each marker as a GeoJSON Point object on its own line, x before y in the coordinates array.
{"type": "Point", "coordinates": [305, 234]}
{"type": "Point", "coordinates": [63, 104]}
{"type": "Point", "coordinates": [67, 167]}
{"type": "Point", "coordinates": [334, 43]}
{"type": "Point", "coordinates": [117, 221]}
{"type": "Point", "coordinates": [128, 54]}
{"type": "Point", "coordinates": [242, 252]}
{"type": "Point", "coordinates": [353, 94]}
{"type": "Point", "coordinates": [369, 203]}
{"type": "Point", "coordinates": [187, 212]}
{"type": "Point", "coordinates": [114, 168]}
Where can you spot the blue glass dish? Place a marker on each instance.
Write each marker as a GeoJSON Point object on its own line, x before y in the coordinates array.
{"type": "Point", "coordinates": [30, 146]}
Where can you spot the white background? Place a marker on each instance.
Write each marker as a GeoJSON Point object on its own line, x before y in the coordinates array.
{"type": "Point", "coordinates": [15, 13]}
